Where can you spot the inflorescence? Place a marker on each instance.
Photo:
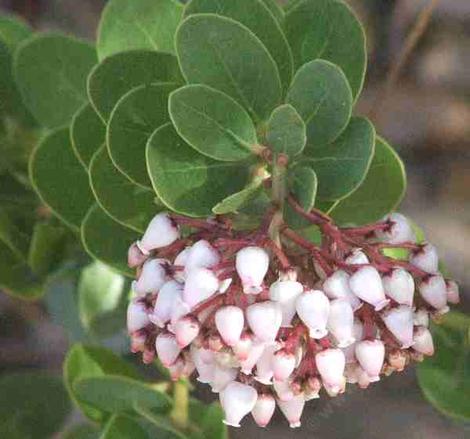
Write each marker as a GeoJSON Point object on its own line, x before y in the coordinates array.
{"type": "Point", "coordinates": [272, 322]}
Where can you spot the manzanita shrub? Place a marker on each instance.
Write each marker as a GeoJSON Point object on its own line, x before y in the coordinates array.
{"type": "Point", "coordinates": [209, 151]}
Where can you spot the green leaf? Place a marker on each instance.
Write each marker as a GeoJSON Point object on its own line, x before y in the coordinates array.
{"type": "Point", "coordinates": [212, 123]}
{"type": "Point", "coordinates": [445, 377]}
{"type": "Point", "coordinates": [160, 426]}
{"type": "Point", "coordinates": [138, 24]}
{"type": "Point", "coordinates": [83, 431]}
{"type": "Point", "coordinates": [13, 30]}
{"type": "Point", "coordinates": [286, 131]}
{"type": "Point", "coordinates": [47, 247]}
{"type": "Point", "coordinates": [87, 134]}
{"type": "Point", "coordinates": [137, 67]}
{"type": "Point", "coordinates": [119, 394]}
{"type": "Point", "coordinates": [236, 201]}
{"type": "Point", "coordinates": [379, 194]}
{"type": "Point", "coordinates": [131, 205]}
{"type": "Point", "coordinates": [256, 16]}
{"type": "Point", "coordinates": [342, 165]}
{"type": "Point", "coordinates": [121, 427]}
{"type": "Point", "coordinates": [275, 10]}
{"type": "Point", "coordinates": [60, 179]}
{"type": "Point", "coordinates": [12, 237]}
{"type": "Point", "coordinates": [328, 29]}
{"type": "Point", "coordinates": [321, 94]}
{"type": "Point", "coordinates": [89, 361]}
{"type": "Point", "coordinates": [106, 240]}
{"type": "Point", "coordinates": [51, 72]}
{"type": "Point", "coordinates": [186, 181]}
{"type": "Point", "coordinates": [223, 54]}
{"type": "Point", "coordinates": [32, 406]}
{"type": "Point", "coordinates": [303, 186]}
{"type": "Point", "coordinates": [207, 420]}
{"type": "Point", "coordinates": [134, 118]}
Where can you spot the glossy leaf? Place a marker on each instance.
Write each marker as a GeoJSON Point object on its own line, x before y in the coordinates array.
{"type": "Point", "coordinates": [138, 24]}
{"type": "Point", "coordinates": [51, 72]}
{"type": "Point", "coordinates": [321, 95]}
{"type": "Point", "coordinates": [121, 427]}
{"type": "Point", "coordinates": [212, 123]}
{"type": "Point", "coordinates": [225, 55]}
{"type": "Point", "coordinates": [256, 16]}
{"type": "Point", "coordinates": [328, 29]}
{"type": "Point", "coordinates": [286, 131]}
{"type": "Point", "coordinates": [106, 240]}
{"type": "Point", "coordinates": [303, 186]}
{"type": "Point", "coordinates": [136, 67]}
{"type": "Point", "coordinates": [342, 165]}
{"type": "Point", "coordinates": [379, 194]}
{"type": "Point", "coordinates": [135, 117]}
{"type": "Point", "coordinates": [129, 204]}
{"type": "Point", "coordinates": [60, 179]}
{"type": "Point", "coordinates": [445, 377]}
{"type": "Point", "coordinates": [186, 181]}
{"type": "Point", "coordinates": [87, 134]}
{"type": "Point", "coordinates": [23, 411]}
{"type": "Point", "coordinates": [235, 202]}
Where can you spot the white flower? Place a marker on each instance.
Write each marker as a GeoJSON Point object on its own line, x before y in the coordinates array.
{"type": "Point", "coordinates": [331, 364]}
{"type": "Point", "coordinates": [434, 291]}
{"type": "Point", "coordinates": [152, 277]}
{"type": "Point", "coordinates": [201, 255]}
{"type": "Point", "coordinates": [264, 409]}
{"type": "Point", "coordinates": [160, 232]}
{"type": "Point", "coordinates": [237, 401]}
{"type": "Point", "coordinates": [292, 410]}
{"type": "Point", "coordinates": [399, 232]}
{"type": "Point", "coordinates": [283, 364]}
{"type": "Point", "coordinates": [137, 316]}
{"type": "Point", "coordinates": [370, 354]}
{"type": "Point", "coordinates": [264, 319]}
{"type": "Point", "coordinates": [341, 322]}
{"type": "Point", "coordinates": [313, 308]}
{"type": "Point", "coordinates": [166, 299]}
{"type": "Point", "coordinates": [252, 265]}
{"type": "Point", "coordinates": [186, 330]}
{"type": "Point", "coordinates": [426, 259]}
{"type": "Point", "coordinates": [167, 348]}
{"type": "Point", "coordinates": [357, 257]}
{"type": "Point", "coordinates": [400, 286]}
{"type": "Point", "coordinates": [337, 287]}
{"type": "Point", "coordinates": [201, 283]}
{"type": "Point", "coordinates": [366, 284]}
{"type": "Point", "coordinates": [286, 293]}
{"type": "Point", "coordinates": [422, 341]}
{"type": "Point", "coordinates": [229, 321]}
{"type": "Point", "coordinates": [399, 322]}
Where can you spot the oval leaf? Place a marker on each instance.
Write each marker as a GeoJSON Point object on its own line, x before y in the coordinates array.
{"type": "Point", "coordinates": [51, 72]}
{"type": "Point", "coordinates": [236, 201]}
{"type": "Point", "coordinates": [322, 96]}
{"type": "Point", "coordinates": [342, 165]}
{"type": "Point", "coordinates": [13, 30]}
{"type": "Point", "coordinates": [136, 116]}
{"type": "Point", "coordinates": [60, 179]}
{"type": "Point", "coordinates": [131, 205]}
{"type": "Point", "coordinates": [379, 194]}
{"type": "Point", "coordinates": [12, 236]}
{"type": "Point", "coordinates": [186, 181]}
{"type": "Point", "coordinates": [137, 67]}
{"type": "Point", "coordinates": [223, 54]}
{"type": "Point", "coordinates": [275, 10]}
{"type": "Point", "coordinates": [138, 24]}
{"type": "Point", "coordinates": [328, 29]}
{"type": "Point", "coordinates": [303, 186]}
{"type": "Point", "coordinates": [121, 427]}
{"type": "Point", "coordinates": [212, 123]}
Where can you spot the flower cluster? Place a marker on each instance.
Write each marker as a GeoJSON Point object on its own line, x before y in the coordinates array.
{"type": "Point", "coordinates": [273, 322]}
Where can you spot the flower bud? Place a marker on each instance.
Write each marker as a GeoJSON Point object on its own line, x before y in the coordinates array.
{"type": "Point", "coordinates": [252, 265]}
{"type": "Point", "coordinates": [423, 342]}
{"type": "Point", "coordinates": [264, 409]}
{"type": "Point", "coordinates": [283, 390]}
{"type": "Point", "coordinates": [201, 255]}
{"type": "Point", "coordinates": [399, 321]}
{"type": "Point", "coordinates": [426, 259]}
{"type": "Point", "coordinates": [421, 318]}
{"type": "Point", "coordinates": [371, 354]}
{"type": "Point", "coordinates": [434, 291]}
{"type": "Point", "coordinates": [179, 310]}
{"type": "Point", "coordinates": [181, 369]}
{"type": "Point", "coordinates": [453, 295]}
{"type": "Point", "coordinates": [201, 284]}
{"type": "Point", "coordinates": [167, 348]}
{"type": "Point", "coordinates": [357, 257]}
{"type": "Point", "coordinates": [398, 359]}
{"type": "Point", "coordinates": [229, 321]}
{"type": "Point", "coordinates": [283, 364]}
{"type": "Point", "coordinates": [330, 364]}
{"type": "Point", "coordinates": [223, 376]}
{"type": "Point", "coordinates": [237, 401]}
{"type": "Point", "coordinates": [286, 293]}
{"type": "Point", "coordinates": [179, 264]}
{"type": "Point", "coordinates": [152, 277]}
{"type": "Point", "coordinates": [400, 286]}
{"type": "Point", "coordinates": [335, 389]}
{"type": "Point", "coordinates": [264, 319]}
{"type": "Point", "coordinates": [366, 284]}
{"type": "Point", "coordinates": [314, 386]}
{"type": "Point", "coordinates": [358, 334]}
{"type": "Point", "coordinates": [243, 346]}
{"type": "Point", "coordinates": [256, 350]}
{"type": "Point", "coordinates": [160, 232]}
{"type": "Point", "coordinates": [313, 308]}
{"type": "Point", "coordinates": [165, 303]}
{"type": "Point", "coordinates": [292, 410]}
{"type": "Point", "coordinates": [264, 368]}
{"type": "Point", "coordinates": [204, 362]}
{"type": "Point", "coordinates": [398, 232]}
{"type": "Point", "coordinates": [186, 330]}
{"type": "Point", "coordinates": [337, 287]}
{"type": "Point", "coordinates": [135, 258]}
{"type": "Point", "coordinates": [137, 316]}
{"type": "Point", "coordinates": [341, 322]}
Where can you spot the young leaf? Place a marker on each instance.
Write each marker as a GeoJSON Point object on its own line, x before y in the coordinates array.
{"type": "Point", "coordinates": [328, 29]}
{"type": "Point", "coordinates": [122, 427]}
{"type": "Point", "coordinates": [236, 201]}
{"type": "Point", "coordinates": [131, 205]}
{"type": "Point", "coordinates": [225, 55]}
{"type": "Point", "coordinates": [24, 413]}
{"type": "Point", "coordinates": [286, 131]}
{"type": "Point", "coordinates": [87, 134]}
{"type": "Point", "coordinates": [186, 181]}
{"type": "Point", "coordinates": [60, 179]}
{"type": "Point", "coordinates": [136, 67]}
{"type": "Point", "coordinates": [256, 16]}
{"type": "Point", "coordinates": [106, 240]}
{"type": "Point", "coordinates": [212, 123]}
{"type": "Point", "coordinates": [342, 165]}
{"type": "Point", "coordinates": [138, 24]}
{"type": "Point", "coordinates": [380, 192]}
{"type": "Point", "coordinates": [134, 118]}
{"type": "Point", "coordinates": [445, 377]}
{"type": "Point", "coordinates": [303, 186]}
{"type": "Point", "coordinates": [322, 96]}
{"type": "Point", "coordinates": [51, 72]}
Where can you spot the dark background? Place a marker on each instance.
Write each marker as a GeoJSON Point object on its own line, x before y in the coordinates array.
{"type": "Point", "coordinates": [425, 115]}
